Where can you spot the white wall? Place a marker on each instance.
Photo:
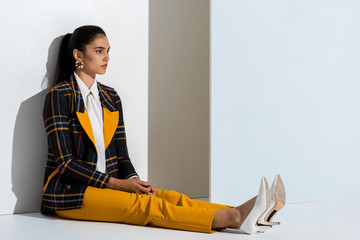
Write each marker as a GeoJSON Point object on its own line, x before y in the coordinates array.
{"type": "Point", "coordinates": [30, 35]}
{"type": "Point", "coordinates": [285, 98]}
{"type": "Point", "coordinates": [179, 95]}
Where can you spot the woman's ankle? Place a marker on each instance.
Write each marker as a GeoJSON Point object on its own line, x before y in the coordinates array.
{"type": "Point", "coordinates": [226, 218]}
{"type": "Point", "coordinates": [234, 217]}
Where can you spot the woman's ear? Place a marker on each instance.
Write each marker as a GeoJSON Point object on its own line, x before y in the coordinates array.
{"type": "Point", "coordinates": [77, 54]}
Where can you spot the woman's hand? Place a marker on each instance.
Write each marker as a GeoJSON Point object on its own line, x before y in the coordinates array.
{"type": "Point", "coordinates": [152, 190]}
{"type": "Point", "coordinates": [134, 185]}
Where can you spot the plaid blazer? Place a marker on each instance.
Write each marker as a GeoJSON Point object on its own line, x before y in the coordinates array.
{"type": "Point", "coordinates": [72, 156]}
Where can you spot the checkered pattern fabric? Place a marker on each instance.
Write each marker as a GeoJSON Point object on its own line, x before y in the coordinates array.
{"type": "Point", "coordinates": [72, 157]}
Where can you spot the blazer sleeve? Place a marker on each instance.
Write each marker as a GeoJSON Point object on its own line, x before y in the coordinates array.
{"type": "Point", "coordinates": [57, 114]}
{"type": "Point", "coordinates": [126, 169]}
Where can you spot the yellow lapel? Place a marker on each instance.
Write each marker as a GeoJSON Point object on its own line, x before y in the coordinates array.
{"type": "Point", "coordinates": [86, 124]}
{"type": "Point", "coordinates": [111, 120]}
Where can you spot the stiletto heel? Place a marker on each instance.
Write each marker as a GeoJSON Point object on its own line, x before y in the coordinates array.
{"type": "Point", "coordinates": [277, 201]}
{"type": "Point", "coordinates": [262, 229]}
{"type": "Point", "coordinates": [250, 224]}
{"type": "Point", "coordinates": [270, 204]}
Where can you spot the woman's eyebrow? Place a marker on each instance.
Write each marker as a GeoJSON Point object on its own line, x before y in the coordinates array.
{"type": "Point", "coordinates": [100, 47]}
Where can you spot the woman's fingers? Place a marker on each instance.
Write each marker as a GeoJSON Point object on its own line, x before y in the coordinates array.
{"type": "Point", "coordinates": [142, 189]}
{"type": "Point", "coordinates": [146, 184]}
{"type": "Point", "coordinates": [151, 193]}
{"type": "Point", "coordinates": [152, 190]}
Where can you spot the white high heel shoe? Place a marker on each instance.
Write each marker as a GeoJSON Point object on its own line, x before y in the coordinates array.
{"type": "Point", "coordinates": [277, 202]}
{"type": "Point", "coordinates": [250, 224]}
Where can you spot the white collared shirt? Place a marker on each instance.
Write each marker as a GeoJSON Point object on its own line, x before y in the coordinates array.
{"type": "Point", "coordinates": [93, 107]}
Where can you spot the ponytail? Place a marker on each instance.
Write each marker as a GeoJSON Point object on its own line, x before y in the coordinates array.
{"type": "Point", "coordinates": [81, 37]}
{"type": "Point", "coordinates": [65, 63]}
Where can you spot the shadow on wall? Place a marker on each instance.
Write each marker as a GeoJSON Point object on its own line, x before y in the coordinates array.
{"type": "Point", "coordinates": [29, 153]}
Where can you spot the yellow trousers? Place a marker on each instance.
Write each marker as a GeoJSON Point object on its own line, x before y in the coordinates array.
{"type": "Point", "coordinates": [168, 209]}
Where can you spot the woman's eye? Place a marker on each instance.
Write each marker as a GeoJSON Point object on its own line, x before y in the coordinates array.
{"type": "Point", "coordinates": [98, 51]}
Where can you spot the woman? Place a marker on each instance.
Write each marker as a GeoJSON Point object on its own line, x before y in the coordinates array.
{"type": "Point", "coordinates": [89, 174]}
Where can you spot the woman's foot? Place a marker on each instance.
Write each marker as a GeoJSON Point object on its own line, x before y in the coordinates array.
{"type": "Point", "coordinates": [245, 217]}
{"type": "Point", "coordinates": [233, 217]}
{"type": "Point", "coordinates": [253, 211]}
{"type": "Point", "coordinates": [244, 209]}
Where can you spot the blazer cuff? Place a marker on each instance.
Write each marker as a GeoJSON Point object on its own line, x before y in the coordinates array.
{"type": "Point", "coordinates": [132, 176]}
{"type": "Point", "coordinates": [104, 181]}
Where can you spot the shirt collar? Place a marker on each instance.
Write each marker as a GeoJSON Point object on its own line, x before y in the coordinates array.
{"type": "Point", "coordinates": [85, 90]}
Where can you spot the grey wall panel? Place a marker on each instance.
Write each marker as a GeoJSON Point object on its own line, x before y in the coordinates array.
{"type": "Point", "coordinates": [179, 96]}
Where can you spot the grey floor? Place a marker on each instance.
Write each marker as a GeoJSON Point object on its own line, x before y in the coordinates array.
{"type": "Point", "coordinates": [333, 219]}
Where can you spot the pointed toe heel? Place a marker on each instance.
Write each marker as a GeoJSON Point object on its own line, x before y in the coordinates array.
{"type": "Point", "coordinates": [250, 224]}
{"type": "Point", "coordinates": [277, 201]}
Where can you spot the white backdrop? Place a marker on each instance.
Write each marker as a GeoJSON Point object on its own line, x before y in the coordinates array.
{"type": "Point", "coordinates": [30, 36]}
{"type": "Point", "coordinates": [285, 98]}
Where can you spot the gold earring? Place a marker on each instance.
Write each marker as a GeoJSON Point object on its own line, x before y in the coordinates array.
{"type": "Point", "coordinates": [79, 64]}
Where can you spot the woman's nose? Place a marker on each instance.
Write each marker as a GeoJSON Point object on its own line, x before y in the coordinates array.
{"type": "Point", "coordinates": [107, 57]}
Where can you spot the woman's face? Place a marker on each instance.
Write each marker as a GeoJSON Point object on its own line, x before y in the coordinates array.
{"type": "Point", "coordinates": [96, 56]}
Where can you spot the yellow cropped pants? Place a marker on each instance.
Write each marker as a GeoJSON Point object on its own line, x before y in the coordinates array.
{"type": "Point", "coordinates": [168, 209]}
